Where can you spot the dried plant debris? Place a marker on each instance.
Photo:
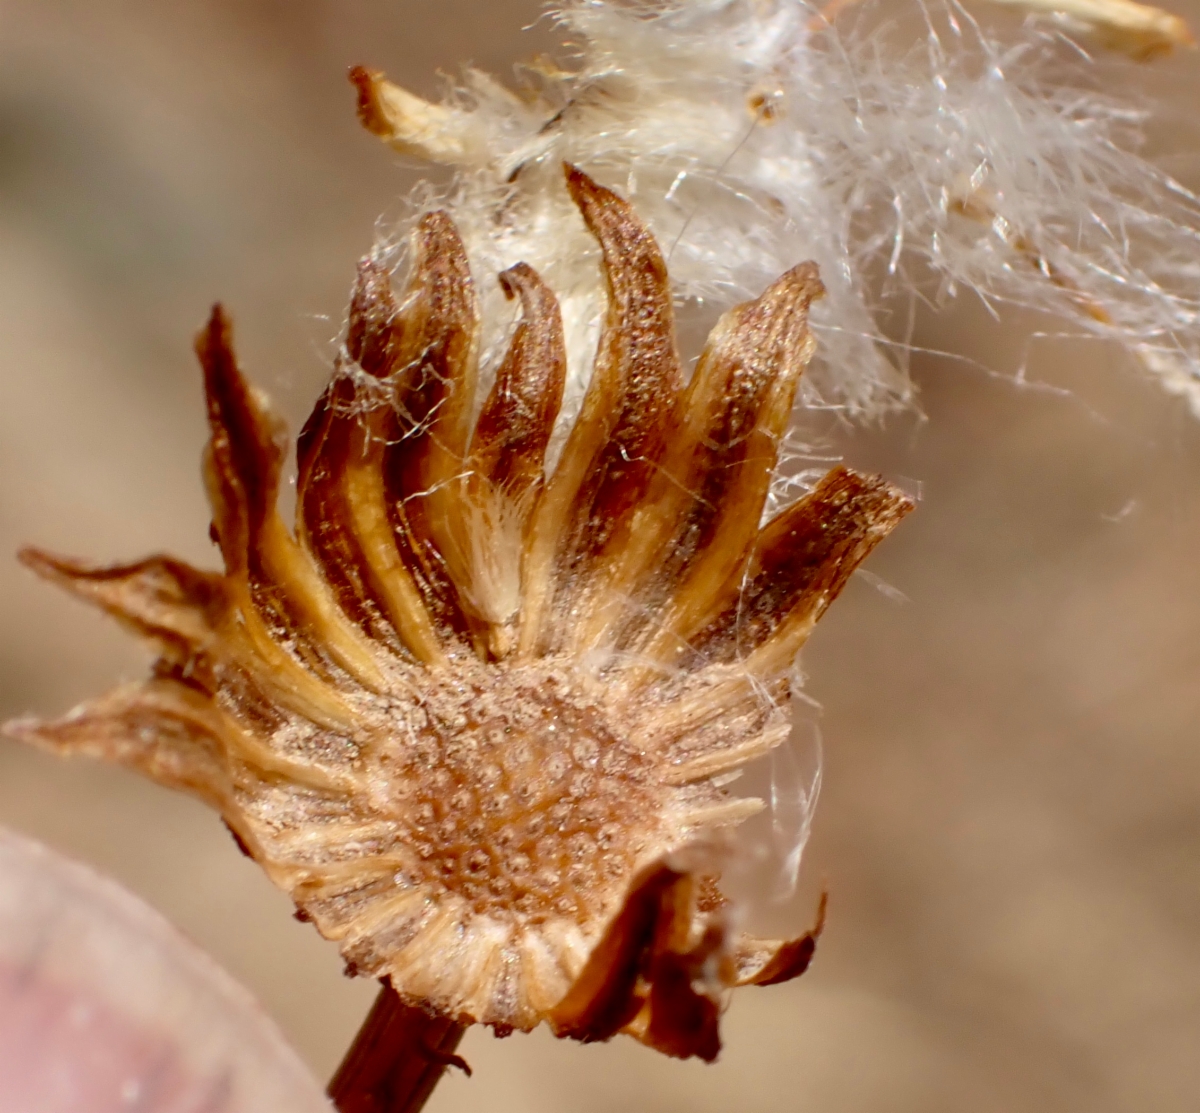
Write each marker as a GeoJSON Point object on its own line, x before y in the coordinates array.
{"type": "Point", "coordinates": [1139, 30]}
{"type": "Point", "coordinates": [915, 149]}
{"type": "Point", "coordinates": [473, 717]}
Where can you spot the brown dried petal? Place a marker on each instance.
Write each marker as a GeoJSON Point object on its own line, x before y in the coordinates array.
{"type": "Point", "coordinates": [485, 541]}
{"type": "Point", "coordinates": [697, 525]}
{"type": "Point", "coordinates": [614, 447]}
{"type": "Point", "coordinates": [159, 597]}
{"type": "Point", "coordinates": [245, 450]}
{"type": "Point", "coordinates": [342, 506]}
{"type": "Point", "coordinates": [192, 616]}
{"type": "Point", "coordinates": [773, 961]}
{"type": "Point", "coordinates": [644, 972]}
{"type": "Point", "coordinates": [159, 727]}
{"type": "Point", "coordinates": [680, 1021]}
{"type": "Point", "coordinates": [432, 393]}
{"type": "Point", "coordinates": [376, 329]}
{"type": "Point", "coordinates": [434, 384]}
{"type": "Point", "coordinates": [801, 561]}
{"type": "Point", "coordinates": [274, 583]}
{"type": "Point", "coordinates": [514, 427]}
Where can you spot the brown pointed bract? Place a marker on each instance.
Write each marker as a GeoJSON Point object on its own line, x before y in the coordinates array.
{"type": "Point", "coordinates": [474, 718]}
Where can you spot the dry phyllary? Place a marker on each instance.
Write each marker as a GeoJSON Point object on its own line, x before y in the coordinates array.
{"type": "Point", "coordinates": [476, 719]}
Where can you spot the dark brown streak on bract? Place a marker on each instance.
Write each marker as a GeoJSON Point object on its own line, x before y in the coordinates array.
{"type": "Point", "coordinates": [621, 430]}
{"type": "Point", "coordinates": [802, 560]}
{"type": "Point", "coordinates": [514, 427]}
{"type": "Point", "coordinates": [700, 521]}
{"type": "Point", "coordinates": [432, 393]}
{"type": "Point", "coordinates": [242, 463]}
{"type": "Point", "coordinates": [348, 428]}
{"type": "Point", "coordinates": [742, 397]}
{"type": "Point", "coordinates": [435, 382]}
{"type": "Point", "coordinates": [269, 578]}
{"type": "Point", "coordinates": [637, 358]}
{"type": "Point", "coordinates": [244, 454]}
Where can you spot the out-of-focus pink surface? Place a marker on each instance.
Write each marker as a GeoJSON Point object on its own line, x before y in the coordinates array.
{"type": "Point", "coordinates": [64, 1050]}
{"type": "Point", "coordinates": [104, 1007]}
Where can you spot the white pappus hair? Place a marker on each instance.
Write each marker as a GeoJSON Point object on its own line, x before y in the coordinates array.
{"type": "Point", "coordinates": [903, 145]}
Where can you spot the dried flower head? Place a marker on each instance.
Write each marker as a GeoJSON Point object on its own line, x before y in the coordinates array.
{"type": "Point", "coordinates": [474, 720]}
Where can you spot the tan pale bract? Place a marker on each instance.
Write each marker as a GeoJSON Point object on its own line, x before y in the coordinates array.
{"type": "Point", "coordinates": [474, 719]}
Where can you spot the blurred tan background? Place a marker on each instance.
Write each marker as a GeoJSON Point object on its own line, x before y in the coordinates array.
{"type": "Point", "coordinates": [1011, 821]}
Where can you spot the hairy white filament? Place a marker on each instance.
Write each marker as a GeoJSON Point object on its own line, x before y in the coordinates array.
{"type": "Point", "coordinates": [906, 146]}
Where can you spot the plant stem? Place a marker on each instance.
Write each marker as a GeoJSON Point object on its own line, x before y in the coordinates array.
{"type": "Point", "coordinates": [397, 1058]}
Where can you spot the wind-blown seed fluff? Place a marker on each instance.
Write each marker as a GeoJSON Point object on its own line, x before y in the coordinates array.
{"type": "Point", "coordinates": [946, 146]}
{"type": "Point", "coordinates": [476, 715]}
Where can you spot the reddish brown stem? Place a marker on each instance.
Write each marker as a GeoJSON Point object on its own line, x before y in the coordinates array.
{"type": "Point", "coordinates": [397, 1058]}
